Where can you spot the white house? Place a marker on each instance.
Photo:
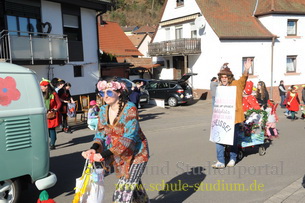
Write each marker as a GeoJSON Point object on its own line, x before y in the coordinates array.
{"type": "Point", "coordinates": [141, 41]}
{"type": "Point", "coordinates": [55, 38]}
{"type": "Point", "coordinates": [199, 36]}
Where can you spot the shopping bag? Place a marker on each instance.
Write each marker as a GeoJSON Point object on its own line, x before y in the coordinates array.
{"type": "Point", "coordinates": [71, 110]}
{"type": "Point", "coordinates": [97, 190]}
{"type": "Point", "coordinates": [90, 186]}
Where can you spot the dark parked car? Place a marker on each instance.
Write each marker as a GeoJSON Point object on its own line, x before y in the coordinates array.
{"type": "Point", "coordinates": [144, 96]}
{"type": "Point", "coordinates": [173, 92]}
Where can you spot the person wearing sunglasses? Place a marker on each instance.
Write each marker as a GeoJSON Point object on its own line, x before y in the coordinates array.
{"type": "Point", "coordinates": [226, 78]}
{"type": "Point", "coordinates": [120, 140]}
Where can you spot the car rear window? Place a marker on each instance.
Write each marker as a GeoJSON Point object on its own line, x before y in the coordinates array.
{"type": "Point", "coordinates": [184, 85]}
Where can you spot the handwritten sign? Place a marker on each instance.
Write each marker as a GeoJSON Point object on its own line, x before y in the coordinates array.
{"type": "Point", "coordinates": [223, 119]}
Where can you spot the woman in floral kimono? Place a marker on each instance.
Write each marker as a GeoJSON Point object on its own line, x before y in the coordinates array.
{"type": "Point", "coordinates": [121, 139]}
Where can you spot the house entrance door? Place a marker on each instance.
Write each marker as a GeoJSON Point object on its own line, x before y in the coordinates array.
{"type": "Point", "coordinates": [178, 64]}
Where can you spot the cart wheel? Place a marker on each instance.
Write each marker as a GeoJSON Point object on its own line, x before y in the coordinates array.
{"type": "Point", "coordinates": [240, 154]}
{"type": "Point", "coordinates": [262, 150]}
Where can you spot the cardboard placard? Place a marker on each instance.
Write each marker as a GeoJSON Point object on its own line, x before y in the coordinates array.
{"type": "Point", "coordinates": [223, 119]}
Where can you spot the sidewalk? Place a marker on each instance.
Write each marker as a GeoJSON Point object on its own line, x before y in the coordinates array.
{"type": "Point", "coordinates": [294, 192]}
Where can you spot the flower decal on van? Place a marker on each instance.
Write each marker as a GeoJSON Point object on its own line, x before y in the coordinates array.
{"type": "Point", "coordinates": [8, 91]}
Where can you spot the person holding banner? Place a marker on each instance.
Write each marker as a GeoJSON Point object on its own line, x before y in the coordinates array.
{"type": "Point", "coordinates": [226, 78]}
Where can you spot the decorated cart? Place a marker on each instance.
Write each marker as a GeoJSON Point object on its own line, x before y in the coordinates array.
{"type": "Point", "coordinates": [253, 132]}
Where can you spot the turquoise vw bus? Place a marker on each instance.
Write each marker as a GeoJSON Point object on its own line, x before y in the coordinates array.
{"type": "Point", "coordinates": [24, 151]}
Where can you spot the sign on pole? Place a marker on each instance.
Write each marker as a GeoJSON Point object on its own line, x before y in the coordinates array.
{"type": "Point", "coordinates": [223, 119]}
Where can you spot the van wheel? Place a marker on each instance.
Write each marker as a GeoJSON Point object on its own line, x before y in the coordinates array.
{"type": "Point", "coordinates": [10, 190]}
{"type": "Point", "coordinates": [172, 101]}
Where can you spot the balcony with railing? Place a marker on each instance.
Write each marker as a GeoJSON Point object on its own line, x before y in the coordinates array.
{"type": "Point", "coordinates": [183, 46]}
{"type": "Point", "coordinates": [33, 48]}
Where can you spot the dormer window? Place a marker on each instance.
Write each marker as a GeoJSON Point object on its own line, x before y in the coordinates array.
{"type": "Point", "coordinates": [180, 3]}
{"type": "Point", "coordinates": [292, 27]}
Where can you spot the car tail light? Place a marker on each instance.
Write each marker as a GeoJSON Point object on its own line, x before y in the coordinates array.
{"type": "Point", "coordinates": [180, 91]}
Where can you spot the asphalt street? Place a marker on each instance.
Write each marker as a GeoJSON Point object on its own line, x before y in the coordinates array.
{"type": "Point", "coordinates": [179, 169]}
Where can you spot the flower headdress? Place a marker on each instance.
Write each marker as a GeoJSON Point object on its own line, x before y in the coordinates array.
{"type": "Point", "coordinates": [102, 85]}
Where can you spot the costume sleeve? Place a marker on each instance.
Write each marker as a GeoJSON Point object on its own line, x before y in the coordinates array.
{"type": "Point", "coordinates": [126, 144]}
{"type": "Point", "coordinates": [253, 102]}
{"type": "Point", "coordinates": [100, 141]}
{"type": "Point", "coordinates": [60, 92]}
{"type": "Point", "coordinates": [69, 94]}
{"type": "Point", "coordinates": [91, 113]}
{"type": "Point", "coordinates": [298, 98]}
{"type": "Point", "coordinates": [242, 81]}
{"type": "Point", "coordinates": [57, 100]}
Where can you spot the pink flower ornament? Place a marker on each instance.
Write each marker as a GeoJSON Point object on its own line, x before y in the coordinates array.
{"type": "Point", "coordinates": [8, 91]}
{"type": "Point", "coordinates": [102, 85]}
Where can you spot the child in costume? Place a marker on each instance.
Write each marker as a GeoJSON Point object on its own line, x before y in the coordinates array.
{"type": "Point", "coordinates": [292, 101]}
{"type": "Point", "coordinates": [249, 100]}
{"type": "Point", "coordinates": [272, 119]}
{"type": "Point", "coordinates": [93, 115]}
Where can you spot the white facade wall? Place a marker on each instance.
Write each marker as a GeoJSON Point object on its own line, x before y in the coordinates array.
{"type": "Point", "coordinates": [144, 46]}
{"type": "Point", "coordinates": [51, 12]}
{"type": "Point", "coordinates": [171, 11]}
{"type": "Point", "coordinates": [285, 46]}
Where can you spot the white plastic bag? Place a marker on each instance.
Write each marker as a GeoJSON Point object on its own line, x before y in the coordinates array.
{"type": "Point", "coordinates": [90, 186]}
{"type": "Point", "coordinates": [97, 190]}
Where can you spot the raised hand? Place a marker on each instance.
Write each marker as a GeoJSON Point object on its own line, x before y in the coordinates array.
{"type": "Point", "coordinates": [248, 64]}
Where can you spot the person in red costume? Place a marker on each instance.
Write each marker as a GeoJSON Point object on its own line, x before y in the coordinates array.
{"type": "Point", "coordinates": [292, 101]}
{"type": "Point", "coordinates": [249, 101]}
{"type": "Point", "coordinates": [52, 103]}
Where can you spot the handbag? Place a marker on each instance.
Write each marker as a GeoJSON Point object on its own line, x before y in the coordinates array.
{"type": "Point", "coordinates": [51, 114]}
{"type": "Point", "coordinates": [90, 186]}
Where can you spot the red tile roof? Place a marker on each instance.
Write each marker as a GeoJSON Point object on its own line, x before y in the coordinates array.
{"type": "Point", "coordinates": [113, 40]}
{"type": "Point", "coordinates": [280, 6]}
{"type": "Point", "coordinates": [233, 19]}
{"type": "Point", "coordinates": [137, 39]}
